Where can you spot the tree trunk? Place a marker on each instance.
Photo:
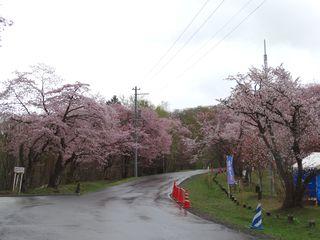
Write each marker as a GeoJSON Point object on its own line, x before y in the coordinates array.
{"type": "Point", "coordinates": [293, 196]}
{"type": "Point", "coordinates": [29, 171]}
{"type": "Point", "coordinates": [293, 192]}
{"type": "Point", "coordinates": [260, 175]}
{"type": "Point", "coordinates": [55, 177]}
{"type": "Point", "coordinates": [71, 173]}
{"type": "Point", "coordinates": [125, 167]}
{"type": "Point", "coordinates": [24, 185]}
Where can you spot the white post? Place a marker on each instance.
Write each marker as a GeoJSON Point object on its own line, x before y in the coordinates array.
{"type": "Point", "coordinates": [21, 177]}
{"type": "Point", "coordinates": [18, 176]}
{"type": "Point", "coordinates": [14, 182]}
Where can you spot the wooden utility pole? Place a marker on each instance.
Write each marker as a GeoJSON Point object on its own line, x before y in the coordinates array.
{"type": "Point", "coordinates": [135, 122]}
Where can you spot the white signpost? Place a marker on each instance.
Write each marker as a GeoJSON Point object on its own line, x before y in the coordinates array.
{"type": "Point", "coordinates": [17, 180]}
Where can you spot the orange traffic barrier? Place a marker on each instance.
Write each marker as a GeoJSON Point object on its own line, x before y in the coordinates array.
{"type": "Point", "coordinates": [187, 203]}
{"type": "Point", "coordinates": [181, 199]}
{"type": "Point", "coordinates": [174, 190]}
{"type": "Point", "coordinates": [180, 195]}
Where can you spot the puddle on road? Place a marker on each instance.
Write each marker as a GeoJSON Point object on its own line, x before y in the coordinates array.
{"type": "Point", "coordinates": [144, 218]}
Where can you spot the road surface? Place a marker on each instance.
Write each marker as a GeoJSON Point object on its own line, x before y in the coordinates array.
{"type": "Point", "coordinates": [140, 210]}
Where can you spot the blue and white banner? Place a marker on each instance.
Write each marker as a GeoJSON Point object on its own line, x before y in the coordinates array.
{"type": "Point", "coordinates": [230, 172]}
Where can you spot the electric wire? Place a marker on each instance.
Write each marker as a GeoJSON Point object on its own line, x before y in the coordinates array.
{"type": "Point", "coordinates": [179, 37]}
{"type": "Point", "coordinates": [216, 45]}
{"type": "Point", "coordinates": [219, 42]}
{"type": "Point", "coordinates": [189, 39]}
{"type": "Point", "coordinates": [218, 31]}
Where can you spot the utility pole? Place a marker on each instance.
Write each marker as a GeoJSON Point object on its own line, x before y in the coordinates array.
{"type": "Point", "coordinates": [135, 122]}
{"type": "Point", "coordinates": [265, 61]}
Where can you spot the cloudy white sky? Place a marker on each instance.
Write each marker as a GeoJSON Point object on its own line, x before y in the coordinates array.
{"type": "Point", "coordinates": [113, 45]}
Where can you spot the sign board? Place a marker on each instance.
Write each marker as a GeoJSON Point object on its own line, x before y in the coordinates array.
{"type": "Point", "coordinates": [19, 169]}
{"type": "Point", "coordinates": [230, 172]}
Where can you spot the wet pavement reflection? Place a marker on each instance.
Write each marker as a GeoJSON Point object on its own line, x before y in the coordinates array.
{"type": "Point", "coordinates": [140, 209]}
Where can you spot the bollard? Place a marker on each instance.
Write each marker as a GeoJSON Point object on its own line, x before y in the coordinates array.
{"type": "Point", "coordinates": [312, 223]}
{"type": "Point", "coordinates": [290, 218]}
{"type": "Point", "coordinates": [78, 188]}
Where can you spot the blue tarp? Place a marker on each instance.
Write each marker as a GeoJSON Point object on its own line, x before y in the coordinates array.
{"type": "Point", "coordinates": [313, 188]}
{"type": "Point", "coordinates": [318, 189]}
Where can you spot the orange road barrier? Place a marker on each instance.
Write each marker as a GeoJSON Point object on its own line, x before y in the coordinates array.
{"type": "Point", "coordinates": [180, 195]}
{"type": "Point", "coordinates": [174, 190]}
{"type": "Point", "coordinates": [187, 203]}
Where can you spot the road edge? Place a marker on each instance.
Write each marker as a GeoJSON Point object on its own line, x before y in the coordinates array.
{"type": "Point", "coordinates": [211, 218]}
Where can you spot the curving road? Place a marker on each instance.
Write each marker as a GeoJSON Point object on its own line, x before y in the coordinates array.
{"type": "Point", "coordinates": [140, 210]}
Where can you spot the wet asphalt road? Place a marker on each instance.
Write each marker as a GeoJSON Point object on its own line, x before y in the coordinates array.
{"type": "Point", "coordinates": [140, 210]}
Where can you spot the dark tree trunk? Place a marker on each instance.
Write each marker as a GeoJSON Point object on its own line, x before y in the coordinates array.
{"type": "Point", "coordinates": [55, 177]}
{"type": "Point", "coordinates": [125, 167]}
{"type": "Point", "coordinates": [71, 174]}
{"type": "Point", "coordinates": [293, 191]}
{"type": "Point", "coordinates": [29, 170]}
{"type": "Point", "coordinates": [24, 185]}
{"type": "Point", "coordinates": [260, 175]}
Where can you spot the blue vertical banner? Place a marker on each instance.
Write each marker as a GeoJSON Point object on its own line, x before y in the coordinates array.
{"type": "Point", "coordinates": [230, 172]}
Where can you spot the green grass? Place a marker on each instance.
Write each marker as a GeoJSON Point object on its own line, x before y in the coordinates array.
{"type": "Point", "coordinates": [207, 199]}
{"type": "Point", "coordinates": [85, 187]}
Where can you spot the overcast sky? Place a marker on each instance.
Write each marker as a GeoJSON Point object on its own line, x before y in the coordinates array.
{"type": "Point", "coordinates": [114, 45]}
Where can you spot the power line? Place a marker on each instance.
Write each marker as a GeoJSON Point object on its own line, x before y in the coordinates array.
{"type": "Point", "coordinates": [218, 43]}
{"type": "Point", "coordinates": [179, 37]}
{"type": "Point", "coordinates": [220, 29]}
{"type": "Point", "coordinates": [189, 39]}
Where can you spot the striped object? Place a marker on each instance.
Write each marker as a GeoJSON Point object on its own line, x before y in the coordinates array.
{"type": "Point", "coordinates": [257, 219]}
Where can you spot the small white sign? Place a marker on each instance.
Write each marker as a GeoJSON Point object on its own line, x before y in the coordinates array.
{"type": "Point", "coordinates": [19, 169]}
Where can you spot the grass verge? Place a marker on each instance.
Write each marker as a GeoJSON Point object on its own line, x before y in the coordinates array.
{"type": "Point", "coordinates": [85, 187]}
{"type": "Point", "coordinates": [210, 202]}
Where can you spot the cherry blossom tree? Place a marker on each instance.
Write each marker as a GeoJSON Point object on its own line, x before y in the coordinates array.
{"type": "Point", "coordinates": [274, 103]}
{"type": "Point", "coordinates": [64, 120]}
{"type": "Point", "coordinates": [42, 117]}
{"type": "Point", "coordinates": [254, 154]}
{"type": "Point", "coordinates": [184, 148]}
{"type": "Point", "coordinates": [223, 131]}
{"type": "Point", "coordinates": [154, 139]}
